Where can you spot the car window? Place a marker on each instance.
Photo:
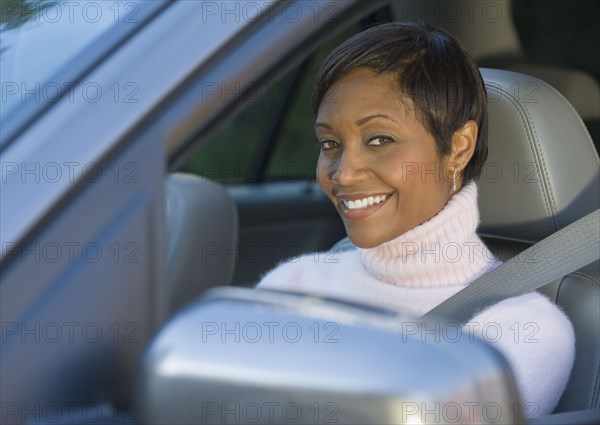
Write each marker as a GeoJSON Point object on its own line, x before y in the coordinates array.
{"type": "Point", "coordinates": [295, 155]}
{"type": "Point", "coordinates": [223, 158]}
{"type": "Point", "coordinates": [40, 37]}
{"type": "Point", "coordinates": [562, 33]}
{"type": "Point", "coordinates": [294, 145]}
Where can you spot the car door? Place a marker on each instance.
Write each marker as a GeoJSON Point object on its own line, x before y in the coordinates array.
{"type": "Point", "coordinates": [82, 279]}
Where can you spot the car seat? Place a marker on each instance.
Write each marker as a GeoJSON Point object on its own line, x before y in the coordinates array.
{"type": "Point", "coordinates": [542, 174]}
{"type": "Point", "coordinates": [202, 237]}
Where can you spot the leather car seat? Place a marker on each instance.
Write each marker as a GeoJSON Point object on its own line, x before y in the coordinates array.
{"type": "Point", "coordinates": [542, 173]}
{"type": "Point", "coordinates": [202, 237]}
{"type": "Point", "coordinates": [581, 89]}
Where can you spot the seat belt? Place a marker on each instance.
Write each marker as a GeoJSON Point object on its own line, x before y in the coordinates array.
{"type": "Point", "coordinates": [561, 253]}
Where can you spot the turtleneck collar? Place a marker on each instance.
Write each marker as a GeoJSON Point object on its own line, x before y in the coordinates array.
{"type": "Point", "coordinates": [444, 251]}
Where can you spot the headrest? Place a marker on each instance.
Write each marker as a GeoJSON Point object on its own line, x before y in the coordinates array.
{"type": "Point", "coordinates": [542, 171]}
{"type": "Point", "coordinates": [581, 89]}
{"type": "Point", "coordinates": [202, 226]}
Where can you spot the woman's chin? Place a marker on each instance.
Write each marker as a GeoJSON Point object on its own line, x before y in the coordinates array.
{"type": "Point", "coordinates": [365, 241]}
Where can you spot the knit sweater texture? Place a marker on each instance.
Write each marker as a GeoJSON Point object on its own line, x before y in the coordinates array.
{"type": "Point", "coordinates": [418, 270]}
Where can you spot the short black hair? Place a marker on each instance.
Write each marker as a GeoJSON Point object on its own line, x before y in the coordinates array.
{"type": "Point", "coordinates": [432, 69]}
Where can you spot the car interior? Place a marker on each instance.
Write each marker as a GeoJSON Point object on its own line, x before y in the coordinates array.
{"type": "Point", "coordinates": [240, 194]}
{"type": "Point", "coordinates": [534, 184]}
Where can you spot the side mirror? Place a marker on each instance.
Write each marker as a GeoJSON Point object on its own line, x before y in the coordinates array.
{"type": "Point", "coordinates": [257, 356]}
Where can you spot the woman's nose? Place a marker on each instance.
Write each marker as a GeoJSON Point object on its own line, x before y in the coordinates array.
{"type": "Point", "coordinates": [350, 168]}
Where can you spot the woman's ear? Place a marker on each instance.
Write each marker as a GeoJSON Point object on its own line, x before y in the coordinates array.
{"type": "Point", "coordinates": [463, 144]}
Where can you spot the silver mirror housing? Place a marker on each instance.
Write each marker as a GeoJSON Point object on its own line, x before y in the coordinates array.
{"type": "Point", "coordinates": [257, 356]}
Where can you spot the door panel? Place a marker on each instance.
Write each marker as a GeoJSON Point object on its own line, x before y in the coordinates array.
{"type": "Point", "coordinates": [279, 221]}
{"type": "Point", "coordinates": [80, 301]}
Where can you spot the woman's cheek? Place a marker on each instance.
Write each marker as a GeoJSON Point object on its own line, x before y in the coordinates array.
{"type": "Point", "coordinates": [396, 173]}
{"type": "Point", "coordinates": [323, 175]}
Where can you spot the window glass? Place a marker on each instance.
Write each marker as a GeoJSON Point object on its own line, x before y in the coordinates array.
{"type": "Point", "coordinates": [296, 152]}
{"type": "Point", "coordinates": [222, 158]}
{"type": "Point", "coordinates": [40, 37]}
{"type": "Point", "coordinates": [294, 157]}
{"type": "Point", "coordinates": [562, 33]}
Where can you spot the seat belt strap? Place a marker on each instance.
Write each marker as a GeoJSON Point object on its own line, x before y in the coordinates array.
{"type": "Point", "coordinates": [561, 253]}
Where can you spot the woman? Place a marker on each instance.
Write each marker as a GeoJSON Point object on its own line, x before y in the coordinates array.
{"type": "Point", "coordinates": [402, 126]}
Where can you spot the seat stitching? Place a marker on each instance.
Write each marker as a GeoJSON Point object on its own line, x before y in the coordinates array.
{"type": "Point", "coordinates": [542, 159]}
{"type": "Point", "coordinates": [582, 124]}
{"type": "Point", "coordinates": [518, 108]}
{"type": "Point", "coordinates": [586, 279]}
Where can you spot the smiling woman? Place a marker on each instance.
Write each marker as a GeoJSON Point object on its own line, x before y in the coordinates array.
{"type": "Point", "coordinates": [377, 156]}
{"type": "Point", "coordinates": [402, 124]}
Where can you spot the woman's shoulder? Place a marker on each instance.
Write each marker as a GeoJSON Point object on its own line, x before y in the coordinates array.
{"type": "Point", "coordinates": [538, 341]}
{"type": "Point", "coordinates": [282, 275]}
{"type": "Point", "coordinates": [531, 307]}
{"type": "Point", "coordinates": [301, 273]}
{"type": "Point", "coordinates": [529, 314]}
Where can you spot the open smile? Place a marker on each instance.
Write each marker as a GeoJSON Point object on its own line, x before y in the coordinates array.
{"type": "Point", "coordinates": [353, 207]}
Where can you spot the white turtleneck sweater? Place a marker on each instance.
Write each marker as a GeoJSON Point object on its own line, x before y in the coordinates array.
{"type": "Point", "coordinates": [428, 264]}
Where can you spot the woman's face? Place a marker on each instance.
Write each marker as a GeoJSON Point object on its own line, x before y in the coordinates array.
{"type": "Point", "coordinates": [378, 164]}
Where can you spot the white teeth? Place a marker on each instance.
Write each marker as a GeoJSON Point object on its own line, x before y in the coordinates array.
{"type": "Point", "coordinates": [361, 203]}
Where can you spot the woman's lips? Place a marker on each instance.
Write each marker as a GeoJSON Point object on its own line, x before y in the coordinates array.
{"type": "Point", "coordinates": [358, 207]}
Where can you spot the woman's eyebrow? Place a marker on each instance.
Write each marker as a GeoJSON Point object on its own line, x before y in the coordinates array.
{"type": "Point", "coordinates": [361, 121]}
{"type": "Point", "coordinates": [364, 120]}
{"type": "Point", "coordinates": [322, 124]}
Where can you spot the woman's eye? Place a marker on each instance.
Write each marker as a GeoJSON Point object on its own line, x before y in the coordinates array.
{"type": "Point", "coordinates": [379, 141]}
{"type": "Point", "coordinates": [328, 144]}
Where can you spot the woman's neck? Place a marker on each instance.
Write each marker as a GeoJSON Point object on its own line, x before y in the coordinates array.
{"type": "Point", "coordinates": [444, 251]}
